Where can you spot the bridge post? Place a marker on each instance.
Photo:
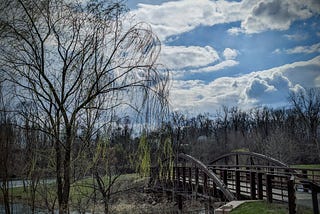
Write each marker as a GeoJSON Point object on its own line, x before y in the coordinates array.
{"type": "Point", "coordinates": [260, 186]}
{"type": "Point", "coordinates": [190, 179]}
{"type": "Point", "coordinates": [271, 171]}
{"type": "Point", "coordinates": [197, 179]}
{"type": "Point", "coordinates": [214, 188]}
{"type": "Point", "coordinates": [315, 201]}
{"type": "Point", "coordinates": [237, 175]}
{"type": "Point", "coordinates": [253, 185]}
{"type": "Point", "coordinates": [179, 199]}
{"type": "Point", "coordinates": [174, 174]}
{"type": "Point", "coordinates": [215, 191]}
{"type": "Point", "coordinates": [184, 177]}
{"type": "Point", "coordinates": [225, 176]}
{"type": "Point", "coordinates": [251, 161]}
{"type": "Point", "coordinates": [291, 196]}
{"type": "Point", "coordinates": [269, 187]}
{"type": "Point", "coordinates": [178, 178]}
{"type": "Point", "coordinates": [237, 160]}
{"type": "Point", "coordinates": [305, 176]}
{"type": "Point", "coordinates": [205, 183]}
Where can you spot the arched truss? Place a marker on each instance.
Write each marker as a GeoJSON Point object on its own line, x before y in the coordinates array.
{"type": "Point", "coordinates": [248, 158]}
{"type": "Point", "coordinates": [197, 163]}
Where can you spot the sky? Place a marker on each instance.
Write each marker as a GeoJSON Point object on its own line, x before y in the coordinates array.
{"type": "Point", "coordinates": [248, 53]}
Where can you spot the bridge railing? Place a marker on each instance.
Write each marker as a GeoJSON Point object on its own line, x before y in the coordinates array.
{"type": "Point", "coordinates": [256, 184]}
{"type": "Point", "coordinates": [195, 181]}
{"type": "Point", "coordinates": [300, 173]}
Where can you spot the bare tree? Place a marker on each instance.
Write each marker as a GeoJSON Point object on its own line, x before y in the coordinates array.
{"type": "Point", "coordinates": [105, 172]}
{"type": "Point", "coordinates": [7, 144]}
{"type": "Point", "coordinates": [64, 56]}
{"type": "Point", "coordinates": [306, 105]}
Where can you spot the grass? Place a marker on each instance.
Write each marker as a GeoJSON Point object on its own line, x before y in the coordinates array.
{"type": "Point", "coordinates": [260, 207]}
{"type": "Point", "coordinates": [263, 207]}
{"type": "Point", "coordinates": [83, 188]}
{"type": "Point", "coordinates": [80, 191]}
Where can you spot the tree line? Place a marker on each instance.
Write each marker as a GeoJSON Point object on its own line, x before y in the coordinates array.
{"type": "Point", "coordinates": [83, 96]}
{"type": "Point", "coordinates": [289, 134]}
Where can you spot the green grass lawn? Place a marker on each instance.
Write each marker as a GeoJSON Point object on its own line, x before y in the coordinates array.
{"type": "Point", "coordinates": [262, 207]}
{"type": "Point", "coordinates": [84, 187]}
{"type": "Point", "coordinates": [80, 190]}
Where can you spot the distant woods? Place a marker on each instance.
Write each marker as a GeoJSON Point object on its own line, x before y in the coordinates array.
{"type": "Point", "coordinates": [80, 83]}
{"type": "Point", "coordinates": [289, 134]}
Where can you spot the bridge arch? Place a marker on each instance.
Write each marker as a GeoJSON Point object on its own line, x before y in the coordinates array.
{"type": "Point", "coordinates": [197, 163]}
{"type": "Point", "coordinates": [251, 157]}
{"type": "Point", "coordinates": [184, 160]}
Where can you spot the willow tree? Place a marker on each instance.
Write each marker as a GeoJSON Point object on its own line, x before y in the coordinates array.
{"type": "Point", "coordinates": [65, 57]}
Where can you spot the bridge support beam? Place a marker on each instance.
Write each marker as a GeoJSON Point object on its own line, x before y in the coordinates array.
{"type": "Point", "coordinates": [260, 186]}
{"type": "Point", "coordinates": [315, 201]}
{"type": "Point", "coordinates": [205, 183]}
{"type": "Point", "coordinates": [178, 178]}
{"type": "Point", "coordinates": [253, 185]}
{"type": "Point", "coordinates": [179, 198]}
{"type": "Point", "coordinates": [238, 188]}
{"type": "Point", "coordinates": [225, 177]}
{"type": "Point", "coordinates": [197, 179]}
{"type": "Point", "coordinates": [269, 187]}
{"type": "Point", "coordinates": [190, 179]}
{"type": "Point", "coordinates": [184, 178]}
{"type": "Point", "coordinates": [291, 196]}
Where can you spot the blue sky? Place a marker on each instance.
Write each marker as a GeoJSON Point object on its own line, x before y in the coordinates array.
{"type": "Point", "coordinates": [237, 53]}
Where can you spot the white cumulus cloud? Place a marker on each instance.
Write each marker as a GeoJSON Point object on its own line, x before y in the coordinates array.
{"type": "Point", "coordinates": [220, 66]}
{"type": "Point", "coordinates": [304, 49]}
{"type": "Point", "coordinates": [229, 53]}
{"type": "Point", "coordinates": [277, 15]}
{"type": "Point", "coordinates": [177, 17]}
{"type": "Point", "coordinates": [269, 87]}
{"type": "Point", "coordinates": [307, 49]}
{"type": "Point", "coordinates": [178, 57]}
{"type": "Point", "coordinates": [196, 59]}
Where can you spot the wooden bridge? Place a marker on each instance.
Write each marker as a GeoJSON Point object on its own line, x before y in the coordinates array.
{"type": "Point", "coordinates": [235, 176]}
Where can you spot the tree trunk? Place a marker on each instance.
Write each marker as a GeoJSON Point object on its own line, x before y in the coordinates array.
{"type": "Point", "coordinates": [66, 171]}
{"type": "Point", "coordinates": [5, 183]}
{"type": "Point", "coordinates": [6, 199]}
{"type": "Point", "coordinates": [106, 206]}
{"type": "Point", "coordinates": [58, 175]}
